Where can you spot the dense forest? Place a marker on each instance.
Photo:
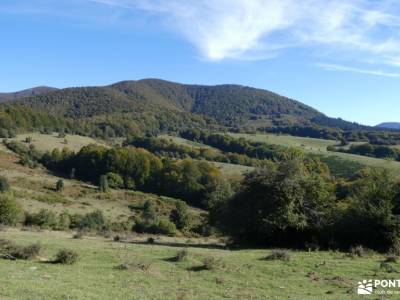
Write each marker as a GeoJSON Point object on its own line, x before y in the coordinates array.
{"type": "Point", "coordinates": [156, 106]}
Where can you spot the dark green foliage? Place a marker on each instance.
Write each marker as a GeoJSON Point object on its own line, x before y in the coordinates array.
{"type": "Point", "coordinates": [372, 212]}
{"type": "Point", "coordinates": [93, 221]}
{"type": "Point", "coordinates": [189, 180]}
{"type": "Point", "coordinates": [153, 106]}
{"type": "Point", "coordinates": [10, 212]}
{"type": "Point", "coordinates": [114, 180]}
{"type": "Point", "coordinates": [165, 148]}
{"type": "Point", "coordinates": [289, 204]}
{"type": "Point", "coordinates": [165, 227]}
{"type": "Point", "coordinates": [66, 257]}
{"type": "Point", "coordinates": [378, 151]}
{"type": "Point", "coordinates": [180, 216]}
{"type": "Point", "coordinates": [4, 185]}
{"type": "Point", "coordinates": [59, 185]}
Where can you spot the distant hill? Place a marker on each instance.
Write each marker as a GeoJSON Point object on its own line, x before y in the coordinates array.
{"type": "Point", "coordinates": [232, 106]}
{"type": "Point", "coordinates": [26, 93]}
{"type": "Point", "coordinates": [389, 125]}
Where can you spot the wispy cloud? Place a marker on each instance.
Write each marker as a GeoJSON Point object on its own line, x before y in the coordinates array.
{"type": "Point", "coordinates": [333, 67]}
{"type": "Point", "coordinates": [241, 29]}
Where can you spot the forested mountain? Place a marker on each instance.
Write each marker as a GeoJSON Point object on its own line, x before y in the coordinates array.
{"type": "Point", "coordinates": [26, 93]}
{"type": "Point", "coordinates": [229, 105]}
{"type": "Point", "coordinates": [389, 125]}
{"type": "Point", "coordinates": [154, 106]}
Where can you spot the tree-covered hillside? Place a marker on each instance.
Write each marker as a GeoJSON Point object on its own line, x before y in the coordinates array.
{"type": "Point", "coordinates": [26, 93]}
{"type": "Point", "coordinates": [229, 105]}
{"type": "Point", "coordinates": [153, 106]}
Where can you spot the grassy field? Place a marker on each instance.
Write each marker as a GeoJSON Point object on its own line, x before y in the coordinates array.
{"type": "Point", "coordinates": [240, 274]}
{"type": "Point", "coordinates": [181, 141]}
{"type": "Point", "coordinates": [319, 147]}
{"type": "Point", "coordinates": [230, 170]}
{"type": "Point", "coordinates": [48, 142]}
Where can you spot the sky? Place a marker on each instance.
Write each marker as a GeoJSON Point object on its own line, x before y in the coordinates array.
{"type": "Point", "coordinates": [340, 57]}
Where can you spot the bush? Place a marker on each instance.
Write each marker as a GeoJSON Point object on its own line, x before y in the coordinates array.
{"type": "Point", "coordinates": [182, 255]}
{"type": "Point", "coordinates": [27, 252]}
{"type": "Point", "coordinates": [66, 257]}
{"type": "Point", "coordinates": [283, 255]}
{"type": "Point", "coordinates": [44, 219]}
{"type": "Point", "coordinates": [114, 180]}
{"type": "Point", "coordinates": [165, 227]}
{"type": "Point", "coordinates": [179, 216]}
{"type": "Point", "coordinates": [391, 258]}
{"type": "Point", "coordinates": [94, 221]}
{"type": "Point", "coordinates": [64, 221]}
{"type": "Point", "coordinates": [59, 185]}
{"type": "Point", "coordinates": [10, 212]}
{"type": "Point", "coordinates": [9, 250]}
{"type": "Point", "coordinates": [4, 185]}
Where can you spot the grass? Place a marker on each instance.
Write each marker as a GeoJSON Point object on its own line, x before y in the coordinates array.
{"type": "Point", "coordinates": [48, 142]}
{"type": "Point", "coordinates": [181, 141]}
{"type": "Point", "coordinates": [319, 147]}
{"type": "Point", "coordinates": [150, 273]}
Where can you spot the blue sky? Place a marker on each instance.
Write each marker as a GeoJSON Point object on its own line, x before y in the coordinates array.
{"type": "Point", "coordinates": [341, 57]}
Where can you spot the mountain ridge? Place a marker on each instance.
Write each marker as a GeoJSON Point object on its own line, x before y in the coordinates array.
{"type": "Point", "coordinates": [389, 125]}
{"type": "Point", "coordinates": [39, 90]}
{"type": "Point", "coordinates": [230, 106]}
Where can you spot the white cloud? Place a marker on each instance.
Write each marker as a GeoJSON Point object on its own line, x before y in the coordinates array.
{"type": "Point", "coordinates": [243, 29]}
{"type": "Point", "coordinates": [333, 67]}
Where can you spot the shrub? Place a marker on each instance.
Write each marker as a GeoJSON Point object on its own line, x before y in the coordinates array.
{"type": "Point", "coordinates": [358, 251]}
{"type": "Point", "coordinates": [150, 240]}
{"type": "Point", "coordinates": [27, 252]}
{"type": "Point", "coordinates": [94, 221]}
{"type": "Point", "coordinates": [279, 254]}
{"type": "Point", "coordinates": [4, 185]}
{"type": "Point", "coordinates": [10, 250]}
{"type": "Point", "coordinates": [114, 180]}
{"type": "Point", "coordinates": [182, 255]}
{"type": "Point", "coordinates": [44, 219]}
{"type": "Point", "coordinates": [10, 212]}
{"type": "Point", "coordinates": [165, 227]}
{"type": "Point", "coordinates": [387, 268]}
{"type": "Point", "coordinates": [59, 185]}
{"type": "Point", "coordinates": [64, 221]}
{"type": "Point", "coordinates": [391, 258]}
{"type": "Point", "coordinates": [78, 235]}
{"type": "Point", "coordinates": [66, 257]}
{"type": "Point", "coordinates": [179, 216]}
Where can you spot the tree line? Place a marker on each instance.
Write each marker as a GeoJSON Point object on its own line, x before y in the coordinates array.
{"type": "Point", "coordinates": [196, 182]}
{"type": "Point", "coordinates": [366, 149]}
